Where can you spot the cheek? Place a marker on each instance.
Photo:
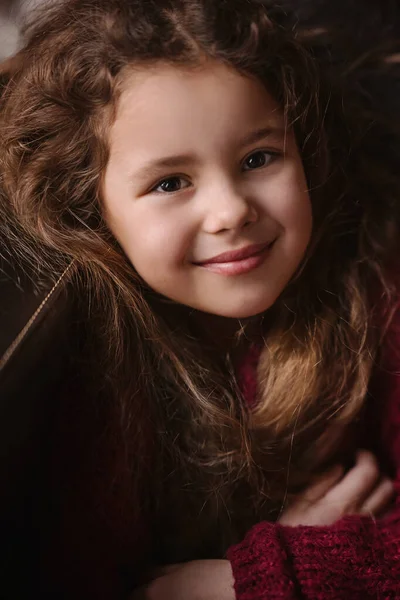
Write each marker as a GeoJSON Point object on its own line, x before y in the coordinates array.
{"type": "Point", "coordinates": [298, 215]}
{"type": "Point", "coordinates": [292, 208]}
{"type": "Point", "coordinates": [298, 225]}
{"type": "Point", "coordinates": [150, 240]}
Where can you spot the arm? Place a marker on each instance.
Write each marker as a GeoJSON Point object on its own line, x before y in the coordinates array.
{"type": "Point", "coordinates": [356, 558]}
{"type": "Point", "coordinates": [267, 571]}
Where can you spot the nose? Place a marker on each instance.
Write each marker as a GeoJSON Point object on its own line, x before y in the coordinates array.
{"type": "Point", "coordinates": [228, 209]}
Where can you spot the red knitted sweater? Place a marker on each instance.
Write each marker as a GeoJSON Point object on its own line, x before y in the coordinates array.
{"type": "Point", "coordinates": [356, 558]}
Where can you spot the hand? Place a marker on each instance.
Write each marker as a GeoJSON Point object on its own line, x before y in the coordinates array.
{"type": "Point", "coordinates": [362, 491]}
{"type": "Point", "coordinates": [196, 580]}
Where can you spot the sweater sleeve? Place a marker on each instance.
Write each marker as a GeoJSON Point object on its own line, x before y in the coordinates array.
{"type": "Point", "coordinates": [356, 558]}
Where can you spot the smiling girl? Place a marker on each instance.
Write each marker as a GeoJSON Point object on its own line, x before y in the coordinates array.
{"type": "Point", "coordinates": [227, 230]}
{"type": "Point", "coordinates": [215, 212]}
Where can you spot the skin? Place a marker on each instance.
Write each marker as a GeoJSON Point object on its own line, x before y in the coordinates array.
{"type": "Point", "coordinates": [225, 192]}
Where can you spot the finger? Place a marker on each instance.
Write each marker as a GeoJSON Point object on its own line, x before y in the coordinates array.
{"type": "Point", "coordinates": [160, 571]}
{"type": "Point", "coordinates": [379, 499]}
{"type": "Point", "coordinates": [357, 484]}
{"type": "Point", "coordinates": [321, 487]}
{"type": "Point", "coordinates": [171, 568]}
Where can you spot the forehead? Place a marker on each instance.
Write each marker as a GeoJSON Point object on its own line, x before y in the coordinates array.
{"type": "Point", "coordinates": [164, 102]}
{"type": "Point", "coordinates": [205, 77]}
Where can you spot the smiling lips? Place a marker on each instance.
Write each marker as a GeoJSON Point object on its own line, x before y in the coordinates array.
{"type": "Point", "coordinates": [237, 262]}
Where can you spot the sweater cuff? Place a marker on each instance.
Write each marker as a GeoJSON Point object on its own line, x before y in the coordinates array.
{"type": "Point", "coordinates": [261, 565]}
{"type": "Point", "coordinates": [349, 558]}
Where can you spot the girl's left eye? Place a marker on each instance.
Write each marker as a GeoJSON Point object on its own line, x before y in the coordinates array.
{"type": "Point", "coordinates": [257, 160]}
{"type": "Point", "coordinates": [170, 185]}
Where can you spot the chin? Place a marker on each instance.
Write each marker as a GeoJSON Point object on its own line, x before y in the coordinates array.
{"type": "Point", "coordinates": [246, 311]}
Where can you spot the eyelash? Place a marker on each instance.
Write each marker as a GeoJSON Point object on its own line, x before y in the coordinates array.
{"type": "Point", "coordinates": [272, 154]}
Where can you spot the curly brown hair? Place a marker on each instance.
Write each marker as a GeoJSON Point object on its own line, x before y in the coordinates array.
{"type": "Point", "coordinates": [178, 407]}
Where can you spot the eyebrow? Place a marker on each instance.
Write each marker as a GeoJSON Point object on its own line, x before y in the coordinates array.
{"type": "Point", "coordinates": [260, 134]}
{"type": "Point", "coordinates": [187, 160]}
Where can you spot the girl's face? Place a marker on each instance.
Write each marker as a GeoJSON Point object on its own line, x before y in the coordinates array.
{"type": "Point", "coordinates": [205, 189]}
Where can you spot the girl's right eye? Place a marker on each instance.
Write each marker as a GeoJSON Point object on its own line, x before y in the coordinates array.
{"type": "Point", "coordinates": [170, 185]}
